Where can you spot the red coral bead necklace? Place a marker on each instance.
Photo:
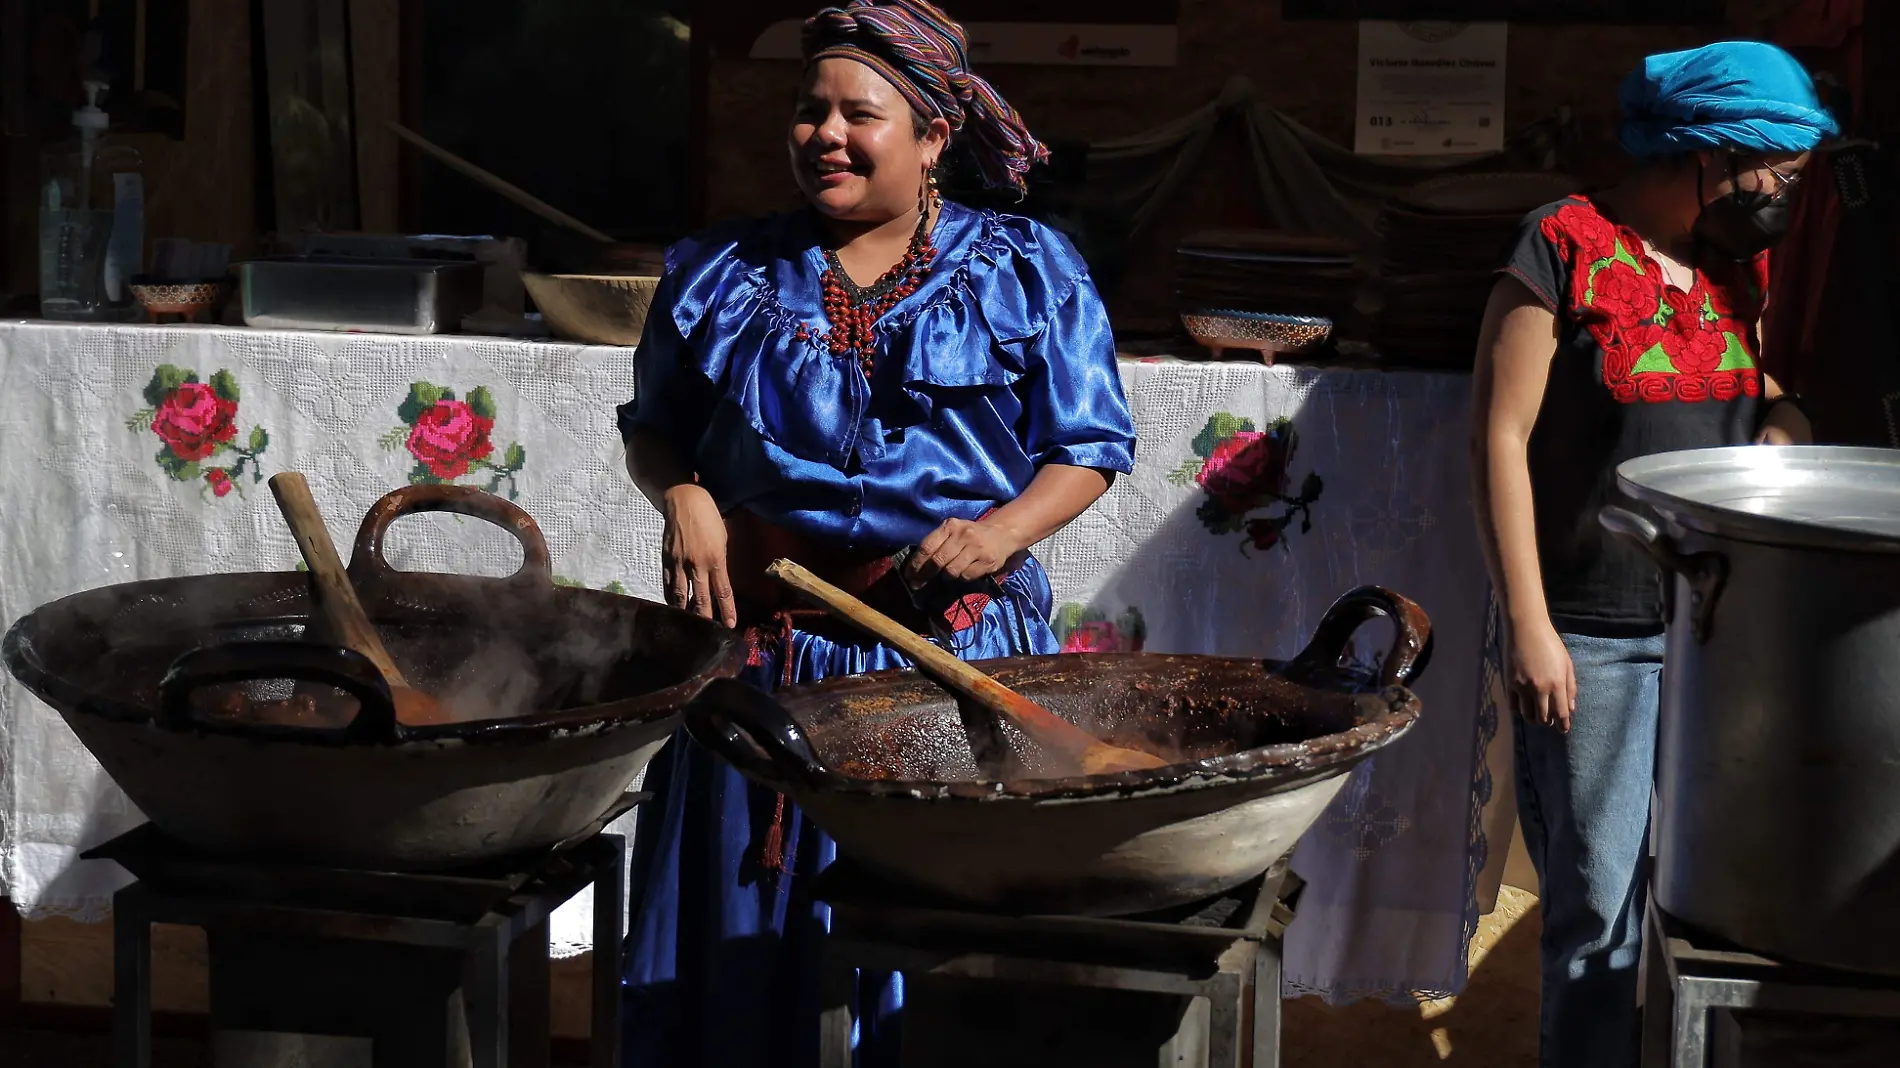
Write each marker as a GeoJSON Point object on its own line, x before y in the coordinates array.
{"type": "Point", "coordinates": [854, 310]}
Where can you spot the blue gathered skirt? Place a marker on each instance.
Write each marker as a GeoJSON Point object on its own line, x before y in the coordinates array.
{"type": "Point", "coordinates": [723, 954]}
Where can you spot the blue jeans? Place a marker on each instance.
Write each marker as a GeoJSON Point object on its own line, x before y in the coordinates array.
{"type": "Point", "coordinates": [1583, 799]}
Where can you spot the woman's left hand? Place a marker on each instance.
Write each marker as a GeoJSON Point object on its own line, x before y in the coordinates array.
{"type": "Point", "coordinates": [962, 550]}
{"type": "Point", "coordinates": [1785, 425]}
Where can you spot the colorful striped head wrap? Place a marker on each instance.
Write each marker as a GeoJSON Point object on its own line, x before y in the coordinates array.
{"type": "Point", "coordinates": [925, 55]}
{"type": "Point", "coordinates": [1743, 96]}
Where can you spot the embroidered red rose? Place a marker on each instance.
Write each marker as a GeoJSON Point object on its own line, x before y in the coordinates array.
{"type": "Point", "coordinates": [1655, 387]}
{"type": "Point", "coordinates": [193, 421]}
{"type": "Point", "coordinates": [1245, 469]}
{"type": "Point", "coordinates": [1582, 227]}
{"type": "Point", "coordinates": [1725, 387]}
{"type": "Point", "coordinates": [1751, 382]}
{"type": "Point", "coordinates": [448, 437]}
{"type": "Point", "coordinates": [1695, 352]}
{"type": "Point", "coordinates": [1627, 297]}
{"type": "Point", "coordinates": [1624, 391]}
{"type": "Point", "coordinates": [1100, 636]}
{"type": "Point", "coordinates": [1685, 309]}
{"type": "Point", "coordinates": [219, 481]}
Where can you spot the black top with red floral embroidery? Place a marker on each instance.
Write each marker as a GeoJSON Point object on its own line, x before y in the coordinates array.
{"type": "Point", "coordinates": [1642, 367]}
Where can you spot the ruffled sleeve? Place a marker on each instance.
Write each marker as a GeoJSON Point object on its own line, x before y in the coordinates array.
{"type": "Point", "coordinates": [675, 382]}
{"type": "Point", "coordinates": [1074, 410]}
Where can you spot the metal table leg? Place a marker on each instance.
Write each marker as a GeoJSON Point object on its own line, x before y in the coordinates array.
{"type": "Point", "coordinates": [1265, 1033]}
{"type": "Point", "coordinates": [610, 908]}
{"type": "Point", "coordinates": [1659, 992]}
{"type": "Point", "coordinates": [1225, 1045]}
{"type": "Point", "coordinates": [485, 987]}
{"type": "Point", "coordinates": [837, 991]}
{"type": "Point", "coordinates": [131, 978]}
{"type": "Point", "coordinates": [529, 997]}
{"type": "Point", "coordinates": [1689, 1019]}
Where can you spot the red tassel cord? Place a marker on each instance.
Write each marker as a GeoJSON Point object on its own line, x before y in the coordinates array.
{"type": "Point", "coordinates": [772, 851]}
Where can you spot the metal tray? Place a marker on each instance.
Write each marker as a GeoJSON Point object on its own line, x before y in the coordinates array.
{"type": "Point", "coordinates": [366, 295]}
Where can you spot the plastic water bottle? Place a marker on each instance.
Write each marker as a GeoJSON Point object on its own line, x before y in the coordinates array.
{"type": "Point", "coordinates": [92, 223]}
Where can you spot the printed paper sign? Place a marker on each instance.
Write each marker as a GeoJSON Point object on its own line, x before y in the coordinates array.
{"type": "Point", "coordinates": [1430, 88]}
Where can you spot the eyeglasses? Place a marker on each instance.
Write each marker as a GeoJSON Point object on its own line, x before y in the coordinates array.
{"type": "Point", "coordinates": [1783, 182]}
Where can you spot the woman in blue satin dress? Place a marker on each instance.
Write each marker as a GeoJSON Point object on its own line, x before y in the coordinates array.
{"type": "Point", "coordinates": [880, 371]}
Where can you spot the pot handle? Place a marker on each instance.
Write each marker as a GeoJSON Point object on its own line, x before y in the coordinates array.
{"type": "Point", "coordinates": [367, 561]}
{"type": "Point", "coordinates": [1704, 571]}
{"type": "Point", "coordinates": [1411, 648]}
{"type": "Point", "coordinates": [244, 661]}
{"type": "Point", "coordinates": [733, 718]}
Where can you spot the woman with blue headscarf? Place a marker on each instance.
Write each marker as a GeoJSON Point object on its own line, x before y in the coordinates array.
{"type": "Point", "coordinates": [882, 370]}
{"type": "Point", "coordinates": [1624, 324]}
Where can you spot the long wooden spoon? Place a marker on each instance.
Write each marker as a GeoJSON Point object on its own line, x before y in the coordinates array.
{"type": "Point", "coordinates": [504, 189]}
{"type": "Point", "coordinates": [335, 596]}
{"type": "Point", "coordinates": [1049, 730]}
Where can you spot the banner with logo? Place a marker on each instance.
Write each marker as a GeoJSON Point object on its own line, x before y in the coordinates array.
{"type": "Point", "coordinates": [1645, 11]}
{"type": "Point", "coordinates": [1128, 33]}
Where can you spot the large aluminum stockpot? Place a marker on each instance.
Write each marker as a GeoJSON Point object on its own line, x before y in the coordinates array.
{"type": "Point", "coordinates": [1778, 762]}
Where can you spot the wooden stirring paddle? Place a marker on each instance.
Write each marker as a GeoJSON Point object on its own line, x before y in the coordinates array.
{"type": "Point", "coordinates": [1049, 730]}
{"type": "Point", "coordinates": [336, 603]}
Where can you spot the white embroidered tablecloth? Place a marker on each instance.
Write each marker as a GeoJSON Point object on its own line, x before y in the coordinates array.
{"type": "Point", "coordinates": [135, 452]}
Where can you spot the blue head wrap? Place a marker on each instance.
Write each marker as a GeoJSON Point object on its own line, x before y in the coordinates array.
{"type": "Point", "coordinates": [1742, 95]}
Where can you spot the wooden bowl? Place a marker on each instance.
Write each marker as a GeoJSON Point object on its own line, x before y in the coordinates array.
{"type": "Point", "coordinates": [595, 309]}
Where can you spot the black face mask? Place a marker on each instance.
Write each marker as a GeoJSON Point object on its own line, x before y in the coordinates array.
{"type": "Point", "coordinates": [1742, 223]}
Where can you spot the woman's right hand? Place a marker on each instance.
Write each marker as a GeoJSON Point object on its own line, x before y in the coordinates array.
{"type": "Point", "coordinates": [693, 555]}
{"type": "Point", "coordinates": [1543, 681]}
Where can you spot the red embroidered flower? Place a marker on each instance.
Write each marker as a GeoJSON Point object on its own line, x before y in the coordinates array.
{"type": "Point", "coordinates": [1627, 297]}
{"type": "Point", "coordinates": [1098, 637]}
{"type": "Point", "coordinates": [449, 437]}
{"type": "Point", "coordinates": [1624, 391]}
{"type": "Point", "coordinates": [219, 481]}
{"type": "Point", "coordinates": [1245, 470]}
{"type": "Point", "coordinates": [1696, 352]}
{"type": "Point", "coordinates": [1725, 387]}
{"type": "Point", "coordinates": [1751, 382]}
{"type": "Point", "coordinates": [1655, 387]}
{"type": "Point", "coordinates": [1579, 225]}
{"type": "Point", "coordinates": [193, 421]}
{"type": "Point", "coordinates": [1685, 309]}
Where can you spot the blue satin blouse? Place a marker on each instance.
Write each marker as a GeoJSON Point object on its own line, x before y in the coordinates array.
{"type": "Point", "coordinates": [1001, 362]}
